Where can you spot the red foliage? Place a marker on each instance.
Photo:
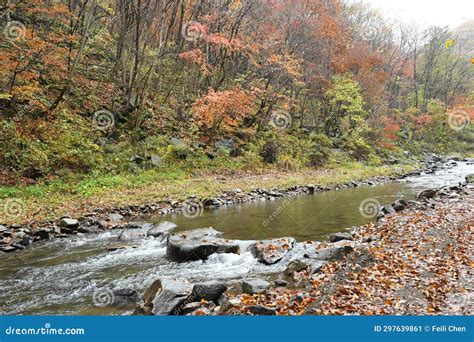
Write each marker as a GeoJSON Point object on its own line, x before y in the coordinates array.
{"type": "Point", "coordinates": [421, 121]}
{"type": "Point", "coordinates": [222, 109]}
{"type": "Point", "coordinates": [196, 56]}
{"type": "Point", "coordinates": [390, 128]}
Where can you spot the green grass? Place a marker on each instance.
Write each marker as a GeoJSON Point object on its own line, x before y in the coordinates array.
{"type": "Point", "coordinates": [78, 195]}
{"type": "Point", "coordinates": [90, 185]}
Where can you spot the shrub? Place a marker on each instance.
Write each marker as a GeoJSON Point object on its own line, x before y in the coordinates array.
{"type": "Point", "coordinates": [358, 148]}
{"type": "Point", "coordinates": [270, 152]}
{"type": "Point", "coordinates": [345, 106]}
{"type": "Point", "coordinates": [41, 147]}
{"type": "Point", "coordinates": [320, 149]}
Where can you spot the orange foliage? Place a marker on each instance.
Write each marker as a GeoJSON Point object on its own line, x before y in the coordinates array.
{"type": "Point", "coordinates": [196, 56]}
{"type": "Point", "coordinates": [221, 109]}
{"type": "Point", "coordinates": [35, 55]}
{"type": "Point", "coordinates": [390, 128]}
{"type": "Point", "coordinates": [421, 121]}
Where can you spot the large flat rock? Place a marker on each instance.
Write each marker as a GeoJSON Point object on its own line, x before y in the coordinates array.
{"type": "Point", "coordinates": [270, 252]}
{"type": "Point", "coordinates": [198, 244]}
{"type": "Point", "coordinates": [168, 296]}
{"type": "Point", "coordinates": [161, 230]}
{"type": "Point", "coordinates": [171, 295]}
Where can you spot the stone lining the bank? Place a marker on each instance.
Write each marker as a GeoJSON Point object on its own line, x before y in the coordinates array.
{"type": "Point", "coordinates": [17, 237]}
{"type": "Point", "coordinates": [341, 247]}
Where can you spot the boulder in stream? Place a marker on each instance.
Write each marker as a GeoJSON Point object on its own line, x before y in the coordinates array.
{"type": "Point", "coordinates": [198, 244]}
{"type": "Point", "coordinates": [470, 178]}
{"type": "Point", "coordinates": [170, 296]}
{"type": "Point", "coordinates": [253, 286]}
{"type": "Point", "coordinates": [272, 251]}
{"type": "Point", "coordinates": [340, 236]}
{"type": "Point", "coordinates": [333, 253]}
{"type": "Point", "coordinates": [67, 222]}
{"type": "Point", "coordinates": [161, 229]}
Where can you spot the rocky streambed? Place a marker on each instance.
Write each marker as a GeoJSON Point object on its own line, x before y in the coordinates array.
{"type": "Point", "coordinates": [172, 265]}
{"type": "Point", "coordinates": [304, 288]}
{"type": "Point", "coordinates": [15, 237]}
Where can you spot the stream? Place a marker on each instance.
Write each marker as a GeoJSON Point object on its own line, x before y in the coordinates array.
{"type": "Point", "coordinates": [60, 276]}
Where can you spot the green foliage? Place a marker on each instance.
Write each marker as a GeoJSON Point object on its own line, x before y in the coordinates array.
{"type": "Point", "coordinates": [320, 149]}
{"type": "Point", "coordinates": [345, 106]}
{"type": "Point", "coordinates": [358, 147]}
{"type": "Point", "coordinates": [73, 147]}
{"type": "Point", "coordinates": [62, 144]}
{"type": "Point", "coordinates": [435, 107]}
{"type": "Point", "coordinates": [347, 118]}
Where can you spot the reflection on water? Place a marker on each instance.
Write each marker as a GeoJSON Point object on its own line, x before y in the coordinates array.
{"type": "Point", "coordinates": [312, 217]}
{"type": "Point", "coordinates": [60, 276]}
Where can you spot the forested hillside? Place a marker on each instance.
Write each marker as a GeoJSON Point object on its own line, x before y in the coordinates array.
{"type": "Point", "coordinates": [120, 86]}
{"type": "Point", "coordinates": [237, 157]}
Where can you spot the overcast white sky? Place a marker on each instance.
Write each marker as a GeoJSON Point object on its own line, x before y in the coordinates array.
{"type": "Point", "coordinates": [428, 12]}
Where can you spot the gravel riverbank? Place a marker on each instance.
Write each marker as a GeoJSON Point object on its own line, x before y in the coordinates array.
{"type": "Point", "coordinates": [415, 262]}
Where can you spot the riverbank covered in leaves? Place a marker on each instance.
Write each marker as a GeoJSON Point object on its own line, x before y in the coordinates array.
{"type": "Point", "coordinates": [416, 261]}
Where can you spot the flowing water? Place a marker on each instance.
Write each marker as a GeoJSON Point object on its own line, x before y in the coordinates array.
{"type": "Point", "coordinates": [62, 275]}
